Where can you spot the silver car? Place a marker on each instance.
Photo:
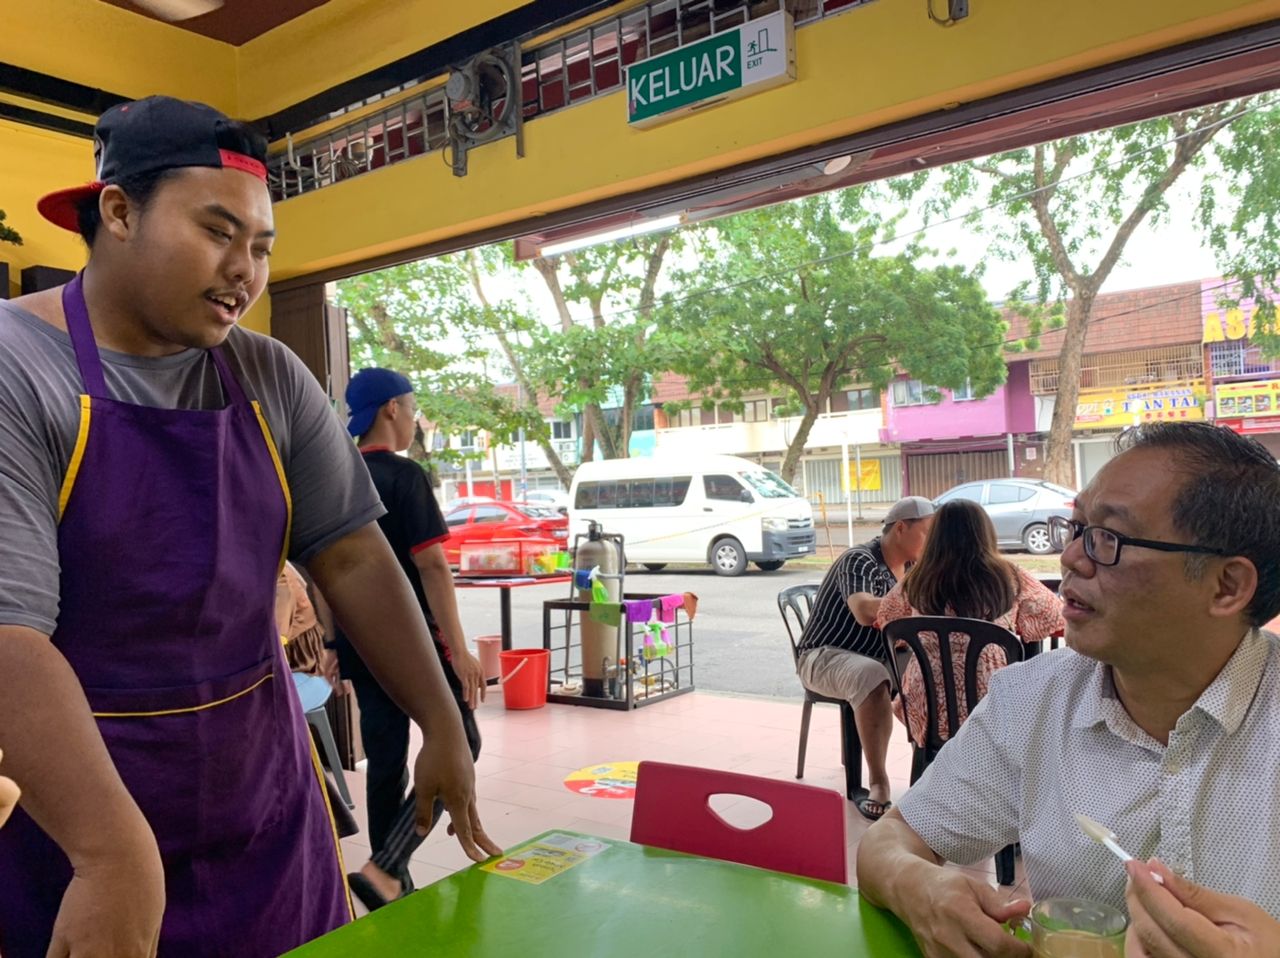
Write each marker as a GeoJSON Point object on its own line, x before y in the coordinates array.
{"type": "Point", "coordinates": [1019, 509]}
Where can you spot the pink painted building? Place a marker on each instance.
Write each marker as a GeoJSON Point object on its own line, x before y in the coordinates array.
{"type": "Point", "coordinates": [957, 438]}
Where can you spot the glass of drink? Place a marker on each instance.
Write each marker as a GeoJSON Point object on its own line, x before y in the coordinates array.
{"type": "Point", "coordinates": [1077, 928]}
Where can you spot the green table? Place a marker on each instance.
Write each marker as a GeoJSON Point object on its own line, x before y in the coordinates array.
{"type": "Point", "coordinates": [625, 900]}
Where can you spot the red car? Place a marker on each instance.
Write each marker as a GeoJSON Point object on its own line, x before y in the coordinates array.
{"type": "Point", "coordinates": [483, 521]}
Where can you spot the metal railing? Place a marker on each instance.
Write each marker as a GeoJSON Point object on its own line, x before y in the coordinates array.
{"type": "Point", "coordinates": [564, 72]}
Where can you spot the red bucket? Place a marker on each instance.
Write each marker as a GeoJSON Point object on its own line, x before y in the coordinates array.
{"type": "Point", "coordinates": [524, 677]}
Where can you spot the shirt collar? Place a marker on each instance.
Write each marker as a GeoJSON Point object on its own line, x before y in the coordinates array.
{"type": "Point", "coordinates": [1229, 696]}
{"type": "Point", "coordinates": [1226, 700]}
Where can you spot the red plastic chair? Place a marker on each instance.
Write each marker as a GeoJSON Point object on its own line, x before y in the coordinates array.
{"type": "Point", "coordinates": [805, 836]}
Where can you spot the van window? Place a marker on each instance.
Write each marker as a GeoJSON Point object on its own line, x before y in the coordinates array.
{"type": "Point", "coordinates": [632, 493]}
{"type": "Point", "coordinates": [769, 485]}
{"type": "Point", "coordinates": [641, 493]}
{"type": "Point", "coordinates": [587, 495]}
{"type": "Point", "coordinates": [671, 490]}
{"type": "Point", "coordinates": [608, 494]}
{"type": "Point", "coordinates": [723, 488]}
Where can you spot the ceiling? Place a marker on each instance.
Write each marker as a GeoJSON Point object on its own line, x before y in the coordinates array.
{"type": "Point", "coordinates": [236, 21]}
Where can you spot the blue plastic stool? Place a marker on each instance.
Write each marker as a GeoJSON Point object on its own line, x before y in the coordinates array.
{"type": "Point", "coordinates": [313, 692]}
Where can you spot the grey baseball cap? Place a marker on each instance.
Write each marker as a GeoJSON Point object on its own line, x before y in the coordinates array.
{"type": "Point", "coordinates": [911, 507]}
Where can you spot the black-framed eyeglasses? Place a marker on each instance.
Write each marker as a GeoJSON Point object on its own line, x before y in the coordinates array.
{"type": "Point", "coordinates": [1103, 545]}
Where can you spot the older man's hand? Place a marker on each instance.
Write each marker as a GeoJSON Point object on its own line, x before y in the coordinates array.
{"type": "Point", "coordinates": [956, 916]}
{"type": "Point", "coordinates": [1184, 920]}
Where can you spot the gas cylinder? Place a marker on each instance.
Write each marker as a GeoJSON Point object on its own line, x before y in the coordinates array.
{"type": "Point", "coordinates": [599, 641]}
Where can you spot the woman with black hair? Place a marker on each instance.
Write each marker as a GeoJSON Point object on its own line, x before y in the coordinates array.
{"type": "Point", "coordinates": [962, 573]}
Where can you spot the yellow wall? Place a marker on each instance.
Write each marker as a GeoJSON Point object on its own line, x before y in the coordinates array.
{"type": "Point", "coordinates": [344, 39]}
{"type": "Point", "coordinates": [113, 49]}
{"type": "Point", "coordinates": [34, 162]}
{"type": "Point", "coordinates": [871, 66]}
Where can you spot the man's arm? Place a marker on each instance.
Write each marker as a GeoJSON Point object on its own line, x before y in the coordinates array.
{"type": "Point", "coordinates": [372, 600]}
{"type": "Point", "coordinates": [437, 585]}
{"type": "Point", "coordinates": [71, 789]}
{"type": "Point", "coordinates": [949, 913]}
{"type": "Point", "coordinates": [865, 607]}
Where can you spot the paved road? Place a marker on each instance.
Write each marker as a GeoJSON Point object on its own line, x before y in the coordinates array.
{"type": "Point", "coordinates": [739, 642]}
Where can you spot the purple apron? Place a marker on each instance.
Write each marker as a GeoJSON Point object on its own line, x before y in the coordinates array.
{"type": "Point", "coordinates": [172, 532]}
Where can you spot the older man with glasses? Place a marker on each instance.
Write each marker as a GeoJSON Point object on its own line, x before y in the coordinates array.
{"type": "Point", "coordinates": [1162, 722]}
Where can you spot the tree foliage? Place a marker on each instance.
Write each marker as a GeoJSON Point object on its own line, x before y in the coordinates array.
{"type": "Point", "coordinates": [8, 234]}
{"type": "Point", "coordinates": [422, 319]}
{"type": "Point", "coordinates": [790, 302]}
{"type": "Point", "coordinates": [607, 357]}
{"type": "Point", "coordinates": [1069, 208]}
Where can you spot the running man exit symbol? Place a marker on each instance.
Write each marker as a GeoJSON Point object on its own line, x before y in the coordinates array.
{"type": "Point", "coordinates": [760, 44]}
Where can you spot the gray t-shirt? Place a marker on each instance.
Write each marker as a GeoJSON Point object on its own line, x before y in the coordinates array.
{"type": "Point", "coordinates": [40, 416]}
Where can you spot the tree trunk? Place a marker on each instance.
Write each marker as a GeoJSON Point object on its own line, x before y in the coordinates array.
{"type": "Point", "coordinates": [796, 449]}
{"type": "Point", "coordinates": [588, 438]}
{"type": "Point", "coordinates": [1059, 462]}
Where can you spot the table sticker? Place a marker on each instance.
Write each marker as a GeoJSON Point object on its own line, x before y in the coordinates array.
{"type": "Point", "coordinates": [547, 857]}
{"type": "Point", "coordinates": [607, 780]}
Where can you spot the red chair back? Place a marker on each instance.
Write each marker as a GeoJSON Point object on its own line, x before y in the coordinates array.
{"type": "Point", "coordinates": [805, 836]}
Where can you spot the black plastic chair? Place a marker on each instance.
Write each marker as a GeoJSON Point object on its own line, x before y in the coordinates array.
{"type": "Point", "coordinates": [795, 604]}
{"type": "Point", "coordinates": [981, 634]}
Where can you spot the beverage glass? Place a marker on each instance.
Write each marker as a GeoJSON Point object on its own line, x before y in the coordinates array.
{"type": "Point", "coordinates": [1077, 928]}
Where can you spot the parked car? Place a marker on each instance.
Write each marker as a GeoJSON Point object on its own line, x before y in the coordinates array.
{"type": "Point", "coordinates": [1019, 509]}
{"type": "Point", "coordinates": [490, 519]}
{"type": "Point", "coordinates": [553, 498]}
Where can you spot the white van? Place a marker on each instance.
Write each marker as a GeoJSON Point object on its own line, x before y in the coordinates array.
{"type": "Point", "coordinates": [721, 510]}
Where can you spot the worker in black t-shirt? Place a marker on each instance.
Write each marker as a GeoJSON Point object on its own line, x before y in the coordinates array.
{"type": "Point", "coordinates": [383, 414]}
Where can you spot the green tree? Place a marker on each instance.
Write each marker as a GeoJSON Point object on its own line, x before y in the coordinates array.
{"type": "Point", "coordinates": [789, 301]}
{"type": "Point", "coordinates": [1070, 207]}
{"type": "Point", "coordinates": [8, 234]}
{"type": "Point", "coordinates": [610, 356]}
{"type": "Point", "coordinates": [423, 320]}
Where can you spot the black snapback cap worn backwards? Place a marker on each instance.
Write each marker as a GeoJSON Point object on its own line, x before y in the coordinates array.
{"type": "Point", "coordinates": [155, 134]}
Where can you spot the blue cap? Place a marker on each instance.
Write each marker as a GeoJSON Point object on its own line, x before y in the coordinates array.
{"type": "Point", "coordinates": [368, 391]}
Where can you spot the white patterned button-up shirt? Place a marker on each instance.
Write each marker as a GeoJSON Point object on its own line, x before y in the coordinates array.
{"type": "Point", "coordinates": [1051, 738]}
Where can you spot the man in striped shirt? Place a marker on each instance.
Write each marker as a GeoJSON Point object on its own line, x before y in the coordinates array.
{"type": "Point", "coordinates": [842, 655]}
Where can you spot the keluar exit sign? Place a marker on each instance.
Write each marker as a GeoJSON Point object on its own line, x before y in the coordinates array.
{"type": "Point", "coordinates": [751, 58]}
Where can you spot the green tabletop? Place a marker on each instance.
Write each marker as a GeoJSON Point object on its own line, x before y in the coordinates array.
{"type": "Point", "coordinates": [624, 900]}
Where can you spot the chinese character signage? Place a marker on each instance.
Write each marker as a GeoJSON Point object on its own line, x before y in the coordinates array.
{"type": "Point", "coordinates": [1132, 405]}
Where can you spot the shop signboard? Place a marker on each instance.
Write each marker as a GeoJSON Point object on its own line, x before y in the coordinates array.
{"type": "Point", "coordinates": [1245, 400]}
{"type": "Point", "coordinates": [751, 58]}
{"type": "Point", "coordinates": [866, 481]}
{"type": "Point", "coordinates": [1130, 405]}
{"type": "Point", "coordinates": [1252, 427]}
{"type": "Point", "coordinates": [1224, 320]}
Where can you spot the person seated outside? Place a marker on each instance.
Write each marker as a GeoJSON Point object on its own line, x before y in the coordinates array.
{"type": "Point", "coordinates": [842, 655]}
{"type": "Point", "coordinates": [301, 630]}
{"type": "Point", "coordinates": [962, 573]}
{"type": "Point", "coordinates": [1161, 722]}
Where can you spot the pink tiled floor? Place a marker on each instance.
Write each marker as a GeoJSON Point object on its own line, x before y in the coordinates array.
{"type": "Point", "coordinates": [527, 755]}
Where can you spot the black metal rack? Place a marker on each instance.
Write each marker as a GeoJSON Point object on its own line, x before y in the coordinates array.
{"type": "Point", "coordinates": [636, 681]}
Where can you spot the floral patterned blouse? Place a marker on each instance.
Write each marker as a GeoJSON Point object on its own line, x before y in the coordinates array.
{"type": "Point", "coordinates": [1036, 615]}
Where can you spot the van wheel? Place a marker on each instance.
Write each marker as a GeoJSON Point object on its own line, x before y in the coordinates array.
{"type": "Point", "coordinates": [655, 566]}
{"type": "Point", "coordinates": [773, 565]}
{"type": "Point", "coordinates": [1036, 539]}
{"type": "Point", "coordinates": [728, 557]}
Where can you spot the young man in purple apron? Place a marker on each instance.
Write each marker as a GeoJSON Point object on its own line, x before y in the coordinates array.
{"type": "Point", "coordinates": [157, 465]}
